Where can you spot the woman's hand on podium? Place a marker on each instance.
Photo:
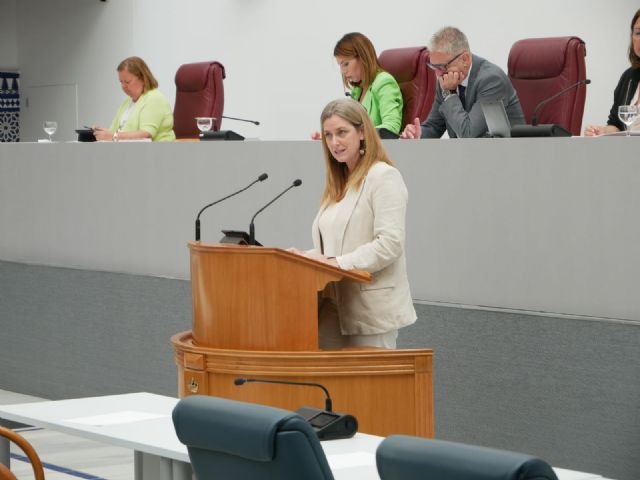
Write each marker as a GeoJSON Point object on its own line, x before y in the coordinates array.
{"type": "Point", "coordinates": [315, 255]}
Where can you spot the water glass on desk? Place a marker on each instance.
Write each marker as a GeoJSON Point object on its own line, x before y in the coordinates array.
{"type": "Point", "coordinates": [628, 115]}
{"type": "Point", "coordinates": [204, 123]}
{"type": "Point", "coordinates": [50, 128]}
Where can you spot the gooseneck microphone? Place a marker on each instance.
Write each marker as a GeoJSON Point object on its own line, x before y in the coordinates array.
{"type": "Point", "coordinates": [327, 402]}
{"type": "Point", "coordinates": [534, 118]}
{"type": "Point", "coordinates": [255, 122]}
{"type": "Point", "coordinates": [261, 178]}
{"type": "Point", "coordinates": [252, 233]}
{"type": "Point", "coordinates": [327, 424]}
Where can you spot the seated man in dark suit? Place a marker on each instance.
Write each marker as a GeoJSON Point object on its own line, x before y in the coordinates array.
{"type": "Point", "coordinates": [463, 81]}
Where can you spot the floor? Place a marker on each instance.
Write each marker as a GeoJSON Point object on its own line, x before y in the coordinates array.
{"type": "Point", "coordinates": [66, 457]}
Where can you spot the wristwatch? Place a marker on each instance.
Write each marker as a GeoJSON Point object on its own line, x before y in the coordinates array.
{"type": "Point", "coordinates": [447, 93]}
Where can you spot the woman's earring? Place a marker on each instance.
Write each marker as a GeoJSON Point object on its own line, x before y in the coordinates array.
{"type": "Point", "coordinates": [362, 148]}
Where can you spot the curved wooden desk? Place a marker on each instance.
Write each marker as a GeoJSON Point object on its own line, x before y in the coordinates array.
{"type": "Point", "coordinates": [255, 315]}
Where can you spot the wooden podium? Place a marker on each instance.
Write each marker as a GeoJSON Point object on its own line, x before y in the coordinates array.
{"type": "Point", "coordinates": [255, 314]}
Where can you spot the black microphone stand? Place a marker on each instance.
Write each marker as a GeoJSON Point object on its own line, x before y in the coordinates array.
{"type": "Point", "coordinates": [261, 178]}
{"type": "Point", "coordinates": [252, 230]}
{"type": "Point", "coordinates": [545, 130]}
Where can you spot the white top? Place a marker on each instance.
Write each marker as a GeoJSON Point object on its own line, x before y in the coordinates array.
{"type": "Point", "coordinates": [125, 114]}
{"type": "Point", "coordinates": [330, 237]}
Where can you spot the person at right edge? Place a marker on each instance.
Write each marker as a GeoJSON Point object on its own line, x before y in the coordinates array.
{"type": "Point", "coordinates": [628, 90]}
{"type": "Point", "coordinates": [464, 80]}
{"type": "Point", "coordinates": [360, 225]}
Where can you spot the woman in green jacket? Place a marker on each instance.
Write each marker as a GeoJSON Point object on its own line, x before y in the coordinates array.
{"type": "Point", "coordinates": [375, 89]}
{"type": "Point", "coordinates": [146, 114]}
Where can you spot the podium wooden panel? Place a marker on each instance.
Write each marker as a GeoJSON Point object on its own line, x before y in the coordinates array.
{"type": "Point", "coordinates": [257, 298]}
{"type": "Point", "coordinates": [255, 315]}
{"type": "Point", "coordinates": [389, 391]}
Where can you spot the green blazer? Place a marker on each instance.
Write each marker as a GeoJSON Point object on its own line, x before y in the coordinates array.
{"type": "Point", "coordinates": [152, 114]}
{"type": "Point", "coordinates": [383, 102]}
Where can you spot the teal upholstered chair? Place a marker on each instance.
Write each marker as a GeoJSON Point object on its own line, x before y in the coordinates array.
{"type": "Point", "coordinates": [401, 457]}
{"type": "Point", "coordinates": [228, 439]}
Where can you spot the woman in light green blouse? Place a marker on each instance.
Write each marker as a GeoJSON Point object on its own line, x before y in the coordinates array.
{"type": "Point", "coordinates": [146, 114]}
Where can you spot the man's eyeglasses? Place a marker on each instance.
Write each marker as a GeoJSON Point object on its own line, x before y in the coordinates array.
{"type": "Point", "coordinates": [443, 67]}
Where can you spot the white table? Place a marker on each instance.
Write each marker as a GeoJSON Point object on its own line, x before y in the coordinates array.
{"type": "Point", "coordinates": [142, 422]}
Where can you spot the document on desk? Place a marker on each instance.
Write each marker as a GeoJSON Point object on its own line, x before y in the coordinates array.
{"type": "Point", "coordinates": [115, 418]}
{"type": "Point", "coordinates": [350, 460]}
{"type": "Point", "coordinates": [564, 474]}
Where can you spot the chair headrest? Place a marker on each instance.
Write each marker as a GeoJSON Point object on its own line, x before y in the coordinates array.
{"type": "Point", "coordinates": [401, 456]}
{"type": "Point", "coordinates": [193, 77]}
{"type": "Point", "coordinates": [237, 428]}
{"type": "Point", "coordinates": [534, 58]}
{"type": "Point", "coordinates": [402, 63]}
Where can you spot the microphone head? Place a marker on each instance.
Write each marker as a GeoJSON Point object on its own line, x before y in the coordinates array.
{"type": "Point", "coordinates": [263, 177]}
{"type": "Point", "coordinates": [587, 81]}
{"type": "Point", "coordinates": [297, 182]}
{"type": "Point", "coordinates": [240, 381]}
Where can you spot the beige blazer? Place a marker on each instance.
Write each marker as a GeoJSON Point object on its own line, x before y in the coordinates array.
{"type": "Point", "coordinates": [371, 233]}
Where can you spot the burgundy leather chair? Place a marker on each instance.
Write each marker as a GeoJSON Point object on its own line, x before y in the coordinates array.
{"type": "Point", "coordinates": [541, 67]}
{"type": "Point", "coordinates": [199, 93]}
{"type": "Point", "coordinates": [417, 81]}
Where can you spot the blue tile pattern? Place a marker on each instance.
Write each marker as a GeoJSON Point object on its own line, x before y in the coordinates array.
{"type": "Point", "coordinates": [9, 107]}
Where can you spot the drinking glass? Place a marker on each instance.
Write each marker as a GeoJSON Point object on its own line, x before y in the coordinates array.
{"type": "Point", "coordinates": [204, 123]}
{"type": "Point", "coordinates": [50, 128]}
{"type": "Point", "coordinates": [628, 115]}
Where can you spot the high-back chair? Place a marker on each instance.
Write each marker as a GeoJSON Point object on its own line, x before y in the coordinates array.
{"type": "Point", "coordinates": [36, 464]}
{"type": "Point", "coordinates": [199, 93]}
{"type": "Point", "coordinates": [541, 67]}
{"type": "Point", "coordinates": [417, 81]}
{"type": "Point", "coordinates": [243, 441]}
{"type": "Point", "coordinates": [413, 458]}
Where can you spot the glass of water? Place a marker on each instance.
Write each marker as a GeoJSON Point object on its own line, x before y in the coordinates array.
{"type": "Point", "coordinates": [50, 128]}
{"type": "Point", "coordinates": [628, 115]}
{"type": "Point", "coordinates": [204, 123]}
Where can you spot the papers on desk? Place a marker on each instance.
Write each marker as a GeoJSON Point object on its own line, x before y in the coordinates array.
{"type": "Point", "coordinates": [133, 140]}
{"type": "Point", "coordinates": [351, 460]}
{"type": "Point", "coordinates": [115, 418]}
{"type": "Point", "coordinates": [564, 474]}
{"type": "Point", "coordinates": [632, 133]}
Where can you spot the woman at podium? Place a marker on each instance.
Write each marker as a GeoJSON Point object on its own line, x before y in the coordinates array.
{"type": "Point", "coordinates": [361, 225]}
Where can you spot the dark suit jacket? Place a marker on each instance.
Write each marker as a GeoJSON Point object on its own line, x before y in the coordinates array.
{"type": "Point", "coordinates": [623, 94]}
{"type": "Point", "coordinates": [486, 82]}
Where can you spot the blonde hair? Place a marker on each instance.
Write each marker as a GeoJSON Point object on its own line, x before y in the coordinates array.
{"type": "Point", "coordinates": [357, 45]}
{"type": "Point", "coordinates": [139, 69]}
{"type": "Point", "coordinates": [338, 178]}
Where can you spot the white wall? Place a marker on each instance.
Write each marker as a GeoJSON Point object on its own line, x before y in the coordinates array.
{"type": "Point", "coordinates": [66, 42]}
{"type": "Point", "coordinates": [8, 35]}
{"type": "Point", "coordinates": [277, 53]}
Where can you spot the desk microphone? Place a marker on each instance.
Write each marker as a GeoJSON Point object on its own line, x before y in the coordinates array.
{"type": "Point", "coordinates": [252, 233]}
{"type": "Point", "coordinates": [547, 130]}
{"type": "Point", "coordinates": [216, 134]}
{"type": "Point", "coordinates": [534, 118]}
{"type": "Point", "coordinates": [261, 178]}
{"type": "Point", "coordinates": [255, 122]}
{"type": "Point", "coordinates": [327, 401]}
{"type": "Point", "coordinates": [327, 424]}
